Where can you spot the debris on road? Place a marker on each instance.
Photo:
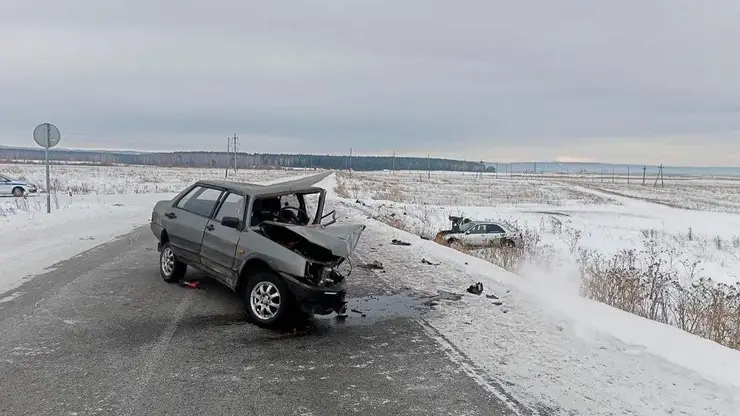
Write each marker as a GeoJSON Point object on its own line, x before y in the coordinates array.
{"type": "Point", "coordinates": [359, 311]}
{"type": "Point", "coordinates": [492, 296]}
{"type": "Point", "coordinates": [476, 289]}
{"type": "Point", "coordinates": [399, 242]}
{"type": "Point", "coordinates": [425, 261]}
{"type": "Point", "coordinates": [375, 265]}
{"type": "Point", "coordinates": [498, 303]}
{"type": "Point", "coordinates": [193, 284]}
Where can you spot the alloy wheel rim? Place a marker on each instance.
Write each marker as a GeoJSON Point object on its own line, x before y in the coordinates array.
{"type": "Point", "coordinates": [265, 300]}
{"type": "Point", "coordinates": [168, 261]}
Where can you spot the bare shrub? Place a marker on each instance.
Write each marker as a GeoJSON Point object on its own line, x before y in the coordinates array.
{"type": "Point", "coordinates": [508, 258]}
{"type": "Point", "coordinates": [650, 233]}
{"type": "Point", "coordinates": [718, 243]}
{"type": "Point", "coordinates": [646, 283]}
{"type": "Point", "coordinates": [341, 188]}
{"type": "Point", "coordinates": [572, 238]}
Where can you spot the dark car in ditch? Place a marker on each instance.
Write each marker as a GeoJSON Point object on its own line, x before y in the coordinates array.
{"type": "Point", "coordinates": [260, 241]}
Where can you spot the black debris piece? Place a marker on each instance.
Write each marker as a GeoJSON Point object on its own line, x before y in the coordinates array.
{"type": "Point", "coordinates": [498, 303]}
{"type": "Point", "coordinates": [423, 237]}
{"type": "Point", "coordinates": [358, 311]}
{"type": "Point", "coordinates": [399, 243]}
{"type": "Point", "coordinates": [492, 296]}
{"type": "Point", "coordinates": [393, 214]}
{"type": "Point", "coordinates": [476, 289]}
{"type": "Point", "coordinates": [425, 261]}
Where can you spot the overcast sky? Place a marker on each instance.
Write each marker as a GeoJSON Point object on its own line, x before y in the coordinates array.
{"type": "Point", "coordinates": [637, 81]}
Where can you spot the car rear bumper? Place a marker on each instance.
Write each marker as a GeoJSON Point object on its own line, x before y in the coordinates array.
{"type": "Point", "coordinates": [314, 299]}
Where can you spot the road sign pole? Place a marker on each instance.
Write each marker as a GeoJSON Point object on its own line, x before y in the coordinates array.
{"type": "Point", "coordinates": [48, 189]}
{"type": "Point", "coordinates": [47, 136]}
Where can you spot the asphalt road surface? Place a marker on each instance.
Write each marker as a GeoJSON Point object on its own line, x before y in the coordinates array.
{"type": "Point", "coordinates": [103, 334]}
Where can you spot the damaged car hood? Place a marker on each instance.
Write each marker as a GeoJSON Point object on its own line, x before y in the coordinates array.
{"type": "Point", "coordinates": [341, 240]}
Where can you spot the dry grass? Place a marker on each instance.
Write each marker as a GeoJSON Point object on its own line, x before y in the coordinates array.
{"type": "Point", "coordinates": [646, 284]}
{"type": "Point", "coordinates": [445, 188]}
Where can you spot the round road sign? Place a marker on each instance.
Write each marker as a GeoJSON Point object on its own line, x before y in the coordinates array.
{"type": "Point", "coordinates": [47, 135]}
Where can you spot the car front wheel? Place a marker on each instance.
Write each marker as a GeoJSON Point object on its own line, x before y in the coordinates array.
{"type": "Point", "coordinates": [171, 269]}
{"type": "Point", "coordinates": [18, 192]}
{"type": "Point", "coordinates": [268, 299]}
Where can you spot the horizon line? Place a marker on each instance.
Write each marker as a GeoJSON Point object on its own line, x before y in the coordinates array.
{"type": "Point", "coordinates": [108, 150]}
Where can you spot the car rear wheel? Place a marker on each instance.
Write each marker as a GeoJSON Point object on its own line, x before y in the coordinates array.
{"type": "Point", "coordinates": [171, 269]}
{"type": "Point", "coordinates": [268, 299]}
{"type": "Point", "coordinates": [18, 191]}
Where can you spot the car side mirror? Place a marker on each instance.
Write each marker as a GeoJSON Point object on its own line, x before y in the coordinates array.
{"type": "Point", "coordinates": [231, 222]}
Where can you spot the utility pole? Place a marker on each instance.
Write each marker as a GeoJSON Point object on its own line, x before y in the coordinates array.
{"type": "Point", "coordinates": [644, 170]}
{"type": "Point", "coordinates": [628, 174]}
{"type": "Point", "coordinates": [236, 149]}
{"type": "Point", "coordinates": [228, 152]}
{"type": "Point", "coordinates": [660, 176]}
{"type": "Point", "coordinates": [350, 162]}
{"type": "Point", "coordinates": [393, 163]}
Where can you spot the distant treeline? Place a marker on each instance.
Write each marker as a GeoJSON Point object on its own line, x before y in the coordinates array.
{"type": "Point", "coordinates": [243, 160]}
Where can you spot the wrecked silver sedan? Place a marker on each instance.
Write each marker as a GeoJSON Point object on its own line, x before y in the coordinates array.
{"type": "Point", "coordinates": [260, 241]}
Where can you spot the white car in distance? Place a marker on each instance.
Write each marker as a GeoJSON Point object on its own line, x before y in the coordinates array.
{"type": "Point", "coordinates": [15, 187]}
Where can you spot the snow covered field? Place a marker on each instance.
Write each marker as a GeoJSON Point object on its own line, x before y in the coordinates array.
{"type": "Point", "coordinates": [546, 344]}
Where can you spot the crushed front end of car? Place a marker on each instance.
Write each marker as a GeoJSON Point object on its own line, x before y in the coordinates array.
{"type": "Point", "coordinates": [320, 288]}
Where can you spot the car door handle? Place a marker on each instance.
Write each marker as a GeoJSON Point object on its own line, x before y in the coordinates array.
{"type": "Point", "coordinates": [210, 227]}
{"type": "Point", "coordinates": [170, 215]}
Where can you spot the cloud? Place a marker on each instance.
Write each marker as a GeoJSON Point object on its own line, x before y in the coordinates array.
{"type": "Point", "coordinates": [530, 80]}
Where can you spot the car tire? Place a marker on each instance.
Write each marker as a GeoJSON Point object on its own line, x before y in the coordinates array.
{"type": "Point", "coordinates": [268, 301]}
{"type": "Point", "coordinates": [18, 192]}
{"type": "Point", "coordinates": [509, 243]}
{"type": "Point", "coordinates": [171, 269]}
